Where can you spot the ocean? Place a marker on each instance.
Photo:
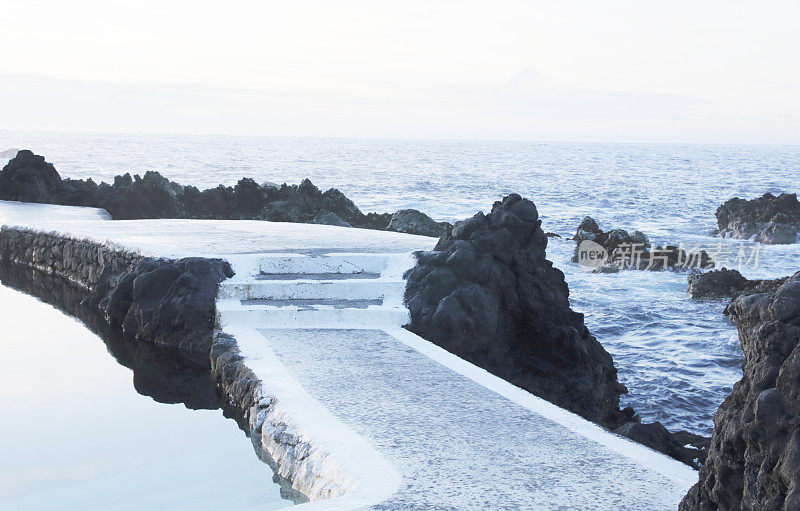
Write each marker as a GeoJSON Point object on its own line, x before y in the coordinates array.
{"type": "Point", "coordinates": [678, 357]}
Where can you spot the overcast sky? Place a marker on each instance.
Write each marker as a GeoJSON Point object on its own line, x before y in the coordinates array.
{"type": "Point", "coordinates": [567, 70]}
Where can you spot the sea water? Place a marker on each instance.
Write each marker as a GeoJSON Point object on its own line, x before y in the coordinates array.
{"type": "Point", "coordinates": [678, 357]}
{"type": "Point", "coordinates": [80, 431]}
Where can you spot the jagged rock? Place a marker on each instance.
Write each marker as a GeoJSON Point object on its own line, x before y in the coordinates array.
{"type": "Point", "coordinates": [488, 294]}
{"type": "Point", "coordinates": [329, 218]}
{"type": "Point", "coordinates": [769, 218]}
{"type": "Point", "coordinates": [726, 283]}
{"type": "Point", "coordinates": [754, 458]}
{"type": "Point", "coordinates": [29, 178]}
{"type": "Point", "coordinates": [626, 250]}
{"type": "Point", "coordinates": [411, 221]}
{"type": "Point", "coordinates": [165, 302]}
{"type": "Point", "coordinates": [716, 284]}
{"type": "Point", "coordinates": [657, 437]}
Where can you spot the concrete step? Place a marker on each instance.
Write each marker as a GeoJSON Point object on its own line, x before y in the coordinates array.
{"type": "Point", "coordinates": [315, 304]}
{"type": "Point", "coordinates": [312, 316]}
{"type": "Point", "coordinates": [339, 289]}
{"type": "Point", "coordinates": [316, 276]}
{"type": "Point", "coordinates": [328, 263]}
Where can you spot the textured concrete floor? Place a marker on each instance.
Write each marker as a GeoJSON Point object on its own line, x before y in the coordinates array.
{"type": "Point", "coordinates": [457, 444]}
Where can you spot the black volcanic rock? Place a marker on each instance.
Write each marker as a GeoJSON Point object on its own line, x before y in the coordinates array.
{"type": "Point", "coordinates": [29, 178]}
{"type": "Point", "coordinates": [164, 302]}
{"type": "Point", "coordinates": [716, 284]}
{"type": "Point", "coordinates": [657, 437]}
{"type": "Point", "coordinates": [411, 221]}
{"type": "Point", "coordinates": [165, 374]}
{"type": "Point", "coordinates": [754, 458]}
{"type": "Point", "coordinates": [771, 219]}
{"type": "Point", "coordinates": [617, 249]}
{"type": "Point", "coordinates": [726, 283]}
{"type": "Point", "coordinates": [488, 294]}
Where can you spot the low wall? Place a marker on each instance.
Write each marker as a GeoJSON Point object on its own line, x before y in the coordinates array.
{"type": "Point", "coordinates": [82, 262]}
{"type": "Point", "coordinates": [169, 304]}
{"type": "Point", "coordinates": [309, 468]}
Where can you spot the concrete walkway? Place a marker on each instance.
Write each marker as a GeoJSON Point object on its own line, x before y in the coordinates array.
{"type": "Point", "coordinates": [317, 312]}
{"type": "Point", "coordinates": [457, 444]}
{"type": "Point", "coordinates": [459, 437]}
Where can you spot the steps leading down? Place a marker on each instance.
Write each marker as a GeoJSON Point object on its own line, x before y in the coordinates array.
{"type": "Point", "coordinates": [317, 291]}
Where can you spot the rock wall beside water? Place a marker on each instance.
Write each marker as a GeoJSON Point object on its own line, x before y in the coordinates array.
{"type": "Point", "coordinates": [165, 374]}
{"type": "Point", "coordinates": [159, 301]}
{"type": "Point", "coordinates": [158, 316]}
{"type": "Point", "coordinates": [294, 456]}
{"type": "Point", "coordinates": [754, 458]}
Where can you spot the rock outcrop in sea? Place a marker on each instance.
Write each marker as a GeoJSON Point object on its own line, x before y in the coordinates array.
{"type": "Point", "coordinates": [754, 458]}
{"type": "Point", "coordinates": [488, 294]}
{"type": "Point", "coordinates": [616, 249]}
{"type": "Point", "coordinates": [725, 283]}
{"type": "Point", "coordinates": [29, 178]}
{"type": "Point", "coordinates": [768, 219]}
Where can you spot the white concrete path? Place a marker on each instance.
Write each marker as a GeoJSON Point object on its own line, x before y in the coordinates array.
{"type": "Point", "coordinates": [317, 312]}
{"type": "Point", "coordinates": [459, 437]}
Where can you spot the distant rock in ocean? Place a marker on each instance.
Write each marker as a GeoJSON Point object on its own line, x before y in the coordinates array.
{"type": "Point", "coordinates": [610, 251]}
{"type": "Point", "coordinates": [768, 219]}
{"type": "Point", "coordinates": [8, 153]}
{"type": "Point", "coordinates": [29, 178]}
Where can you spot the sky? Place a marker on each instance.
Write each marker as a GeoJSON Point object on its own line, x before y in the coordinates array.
{"type": "Point", "coordinates": [574, 70]}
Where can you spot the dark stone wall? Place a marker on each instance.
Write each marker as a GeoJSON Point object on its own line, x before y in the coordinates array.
{"type": "Point", "coordinates": [79, 261]}
{"type": "Point", "coordinates": [754, 459]}
{"type": "Point", "coordinates": [158, 301]}
{"type": "Point", "coordinates": [165, 374]}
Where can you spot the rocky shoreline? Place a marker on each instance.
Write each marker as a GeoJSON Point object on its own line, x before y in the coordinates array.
{"type": "Point", "coordinates": [29, 178]}
{"type": "Point", "coordinates": [488, 294]}
{"type": "Point", "coordinates": [754, 458]}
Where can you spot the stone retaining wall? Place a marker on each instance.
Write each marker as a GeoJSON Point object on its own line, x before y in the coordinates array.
{"type": "Point", "coordinates": [171, 304]}
{"type": "Point", "coordinates": [82, 262]}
